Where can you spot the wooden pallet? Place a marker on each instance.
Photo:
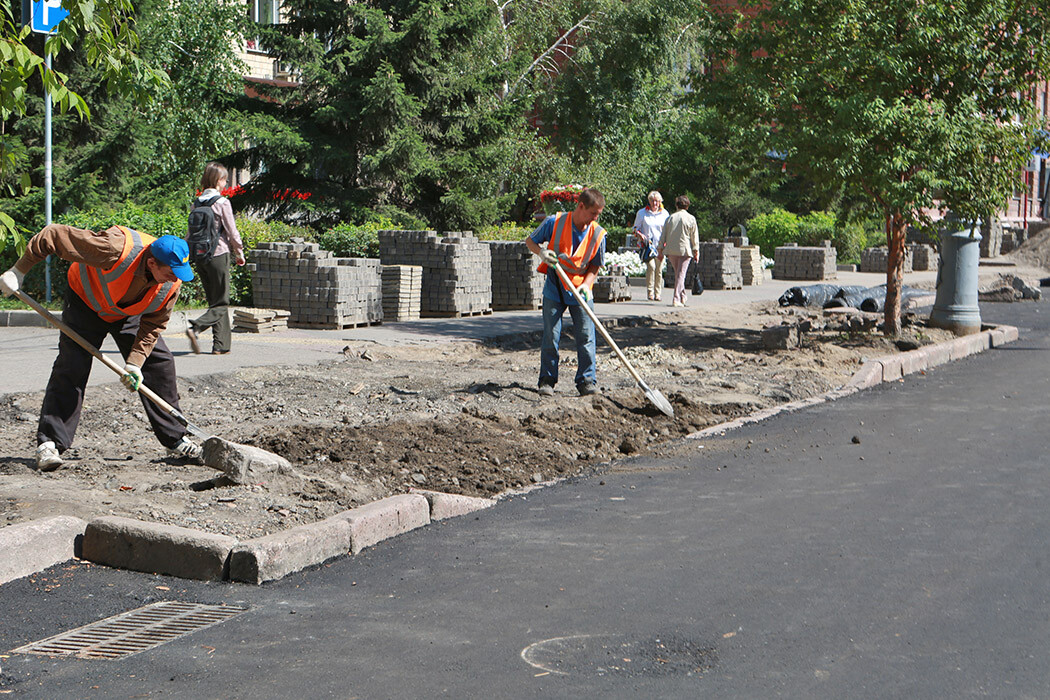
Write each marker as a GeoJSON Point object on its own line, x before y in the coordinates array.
{"type": "Point", "coordinates": [454, 314]}
{"type": "Point", "coordinates": [333, 326]}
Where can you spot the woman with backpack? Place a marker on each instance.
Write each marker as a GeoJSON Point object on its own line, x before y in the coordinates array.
{"type": "Point", "coordinates": [213, 239]}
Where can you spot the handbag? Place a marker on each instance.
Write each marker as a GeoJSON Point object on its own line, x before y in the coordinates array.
{"type": "Point", "coordinates": [647, 253]}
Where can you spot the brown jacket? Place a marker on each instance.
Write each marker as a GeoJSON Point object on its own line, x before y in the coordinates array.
{"type": "Point", "coordinates": [102, 249]}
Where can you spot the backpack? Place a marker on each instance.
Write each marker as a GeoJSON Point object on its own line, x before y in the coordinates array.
{"type": "Point", "coordinates": [203, 236]}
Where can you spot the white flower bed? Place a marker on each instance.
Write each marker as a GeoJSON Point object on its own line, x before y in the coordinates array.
{"type": "Point", "coordinates": [632, 264]}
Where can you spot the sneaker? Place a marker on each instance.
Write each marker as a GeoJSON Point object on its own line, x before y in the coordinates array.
{"type": "Point", "coordinates": [47, 457]}
{"type": "Point", "coordinates": [587, 388]}
{"type": "Point", "coordinates": [546, 390]}
{"type": "Point", "coordinates": [185, 448]}
{"type": "Point", "coordinates": [194, 343]}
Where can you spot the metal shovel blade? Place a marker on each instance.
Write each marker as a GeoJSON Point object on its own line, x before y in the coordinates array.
{"type": "Point", "coordinates": [657, 399]}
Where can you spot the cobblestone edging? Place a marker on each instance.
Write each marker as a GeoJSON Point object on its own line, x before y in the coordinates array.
{"type": "Point", "coordinates": [883, 369]}
{"type": "Point", "coordinates": [177, 551]}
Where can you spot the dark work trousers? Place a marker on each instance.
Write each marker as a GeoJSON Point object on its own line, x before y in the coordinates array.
{"type": "Point", "coordinates": [215, 278]}
{"type": "Point", "coordinates": [64, 397]}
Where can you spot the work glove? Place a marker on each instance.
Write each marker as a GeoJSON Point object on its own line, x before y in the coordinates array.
{"type": "Point", "coordinates": [133, 379]}
{"type": "Point", "coordinates": [550, 257]}
{"type": "Point", "coordinates": [585, 293]}
{"type": "Point", "coordinates": [11, 281]}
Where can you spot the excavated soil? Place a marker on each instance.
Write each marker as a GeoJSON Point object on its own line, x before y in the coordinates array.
{"type": "Point", "coordinates": [462, 418]}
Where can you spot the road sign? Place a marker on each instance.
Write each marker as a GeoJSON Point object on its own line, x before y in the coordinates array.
{"type": "Point", "coordinates": [43, 16]}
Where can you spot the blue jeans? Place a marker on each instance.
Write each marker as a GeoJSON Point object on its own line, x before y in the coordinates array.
{"type": "Point", "coordinates": [586, 347]}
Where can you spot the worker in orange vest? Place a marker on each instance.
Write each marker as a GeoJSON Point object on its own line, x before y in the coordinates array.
{"type": "Point", "coordinates": [577, 242]}
{"type": "Point", "coordinates": [122, 283]}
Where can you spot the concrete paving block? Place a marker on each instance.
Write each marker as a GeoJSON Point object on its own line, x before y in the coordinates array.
{"type": "Point", "coordinates": [913, 361]}
{"type": "Point", "coordinates": [892, 368]}
{"type": "Point", "coordinates": [997, 337]}
{"type": "Point", "coordinates": [1010, 332]}
{"type": "Point", "coordinates": [160, 549]}
{"type": "Point", "coordinates": [451, 505]}
{"type": "Point", "coordinates": [385, 518]}
{"type": "Point", "coordinates": [30, 547]}
{"type": "Point", "coordinates": [869, 374]}
{"type": "Point", "coordinates": [243, 464]}
{"type": "Point", "coordinates": [275, 556]}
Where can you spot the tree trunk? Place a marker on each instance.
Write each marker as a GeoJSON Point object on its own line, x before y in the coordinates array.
{"type": "Point", "coordinates": [896, 230]}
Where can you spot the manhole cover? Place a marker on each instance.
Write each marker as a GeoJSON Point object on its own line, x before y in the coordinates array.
{"type": "Point", "coordinates": [607, 654]}
{"type": "Point", "coordinates": [132, 632]}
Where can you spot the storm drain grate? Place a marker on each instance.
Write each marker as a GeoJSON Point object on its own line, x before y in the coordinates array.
{"type": "Point", "coordinates": [133, 631]}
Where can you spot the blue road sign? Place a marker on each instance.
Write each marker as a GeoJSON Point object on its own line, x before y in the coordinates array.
{"type": "Point", "coordinates": [43, 16]}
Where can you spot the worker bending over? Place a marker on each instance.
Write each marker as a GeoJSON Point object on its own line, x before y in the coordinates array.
{"type": "Point", "coordinates": [122, 283]}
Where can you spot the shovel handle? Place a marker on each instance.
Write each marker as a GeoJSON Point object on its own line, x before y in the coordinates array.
{"type": "Point", "coordinates": [79, 340]}
{"type": "Point", "coordinates": [598, 324]}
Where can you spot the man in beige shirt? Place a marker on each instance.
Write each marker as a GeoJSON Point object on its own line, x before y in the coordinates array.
{"type": "Point", "coordinates": [124, 284]}
{"type": "Point", "coordinates": [680, 241]}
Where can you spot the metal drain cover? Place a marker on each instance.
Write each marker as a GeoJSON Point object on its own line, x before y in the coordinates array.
{"type": "Point", "coordinates": [615, 655]}
{"type": "Point", "coordinates": [134, 631]}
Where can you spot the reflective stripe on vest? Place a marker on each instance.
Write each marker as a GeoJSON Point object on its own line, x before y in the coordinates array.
{"type": "Point", "coordinates": [103, 289]}
{"type": "Point", "coordinates": [574, 262]}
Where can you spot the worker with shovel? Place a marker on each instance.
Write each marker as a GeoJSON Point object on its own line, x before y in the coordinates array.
{"type": "Point", "coordinates": [576, 241]}
{"type": "Point", "coordinates": [122, 283]}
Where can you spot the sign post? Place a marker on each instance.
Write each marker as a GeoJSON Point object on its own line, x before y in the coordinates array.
{"type": "Point", "coordinates": [43, 17]}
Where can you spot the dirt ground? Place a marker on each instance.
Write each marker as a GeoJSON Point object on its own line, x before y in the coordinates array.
{"type": "Point", "coordinates": [461, 418]}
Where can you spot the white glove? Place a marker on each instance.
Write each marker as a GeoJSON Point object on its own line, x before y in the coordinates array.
{"type": "Point", "coordinates": [11, 281]}
{"type": "Point", "coordinates": [550, 257]}
{"type": "Point", "coordinates": [240, 260]}
{"type": "Point", "coordinates": [133, 379]}
{"type": "Point", "coordinates": [585, 292]}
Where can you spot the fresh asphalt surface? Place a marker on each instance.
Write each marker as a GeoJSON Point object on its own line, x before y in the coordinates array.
{"type": "Point", "coordinates": [910, 565]}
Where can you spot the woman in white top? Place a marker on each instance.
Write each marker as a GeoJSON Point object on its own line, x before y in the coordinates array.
{"type": "Point", "coordinates": [648, 227]}
{"type": "Point", "coordinates": [215, 272]}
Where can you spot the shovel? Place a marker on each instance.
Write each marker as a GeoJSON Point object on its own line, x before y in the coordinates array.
{"type": "Point", "coordinates": [219, 454]}
{"type": "Point", "coordinates": [655, 397]}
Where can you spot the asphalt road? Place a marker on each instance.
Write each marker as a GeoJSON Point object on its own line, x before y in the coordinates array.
{"type": "Point", "coordinates": [910, 565]}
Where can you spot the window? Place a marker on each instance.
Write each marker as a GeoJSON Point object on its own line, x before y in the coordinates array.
{"type": "Point", "coordinates": [262, 12]}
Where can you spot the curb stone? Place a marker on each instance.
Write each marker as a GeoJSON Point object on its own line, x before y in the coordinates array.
{"type": "Point", "coordinates": [883, 369]}
{"type": "Point", "coordinates": [33, 546]}
{"type": "Point", "coordinates": [177, 551]}
{"type": "Point", "coordinates": [124, 543]}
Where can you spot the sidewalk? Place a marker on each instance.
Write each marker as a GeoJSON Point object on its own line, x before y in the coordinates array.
{"type": "Point", "coordinates": [27, 352]}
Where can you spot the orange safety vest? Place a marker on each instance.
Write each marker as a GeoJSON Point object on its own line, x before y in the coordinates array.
{"type": "Point", "coordinates": [574, 262]}
{"type": "Point", "coordinates": [102, 289]}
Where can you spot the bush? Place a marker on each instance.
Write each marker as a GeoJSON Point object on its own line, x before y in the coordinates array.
{"type": "Point", "coordinates": [507, 231]}
{"type": "Point", "coordinates": [776, 228]}
{"type": "Point", "coordinates": [355, 241]}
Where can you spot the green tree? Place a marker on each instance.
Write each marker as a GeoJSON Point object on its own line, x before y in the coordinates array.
{"type": "Point", "coordinates": [398, 105]}
{"type": "Point", "coordinates": [101, 31]}
{"type": "Point", "coordinates": [910, 104]}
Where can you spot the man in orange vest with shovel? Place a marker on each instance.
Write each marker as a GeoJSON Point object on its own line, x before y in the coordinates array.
{"type": "Point", "coordinates": [122, 283]}
{"type": "Point", "coordinates": [576, 241]}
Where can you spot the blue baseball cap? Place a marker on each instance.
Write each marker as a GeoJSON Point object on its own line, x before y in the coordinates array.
{"type": "Point", "coordinates": [175, 253]}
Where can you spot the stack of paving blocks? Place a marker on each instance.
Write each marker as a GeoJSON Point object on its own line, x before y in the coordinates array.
{"type": "Point", "coordinates": [611, 288]}
{"type": "Point", "coordinates": [738, 241]}
{"type": "Point", "coordinates": [319, 290]}
{"type": "Point", "coordinates": [750, 265]}
{"type": "Point", "coordinates": [992, 237]}
{"type": "Point", "coordinates": [923, 257]}
{"type": "Point", "coordinates": [718, 267]}
{"type": "Point", "coordinates": [877, 259]}
{"type": "Point", "coordinates": [457, 269]}
{"type": "Point", "coordinates": [402, 291]}
{"type": "Point", "coordinates": [794, 262]}
{"type": "Point", "coordinates": [260, 320]}
{"type": "Point", "coordinates": [515, 282]}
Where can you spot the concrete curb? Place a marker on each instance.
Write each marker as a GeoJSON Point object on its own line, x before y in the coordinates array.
{"type": "Point", "coordinates": [882, 369]}
{"type": "Point", "coordinates": [30, 547]}
{"type": "Point", "coordinates": [124, 543]}
{"type": "Point", "coordinates": [186, 553]}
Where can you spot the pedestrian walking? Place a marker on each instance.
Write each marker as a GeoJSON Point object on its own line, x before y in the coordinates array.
{"type": "Point", "coordinates": [122, 283]}
{"type": "Point", "coordinates": [576, 241]}
{"type": "Point", "coordinates": [214, 240]}
{"type": "Point", "coordinates": [680, 242]}
{"type": "Point", "coordinates": [648, 227]}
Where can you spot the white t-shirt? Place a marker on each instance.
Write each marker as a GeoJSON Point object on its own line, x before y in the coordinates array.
{"type": "Point", "coordinates": [651, 224]}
